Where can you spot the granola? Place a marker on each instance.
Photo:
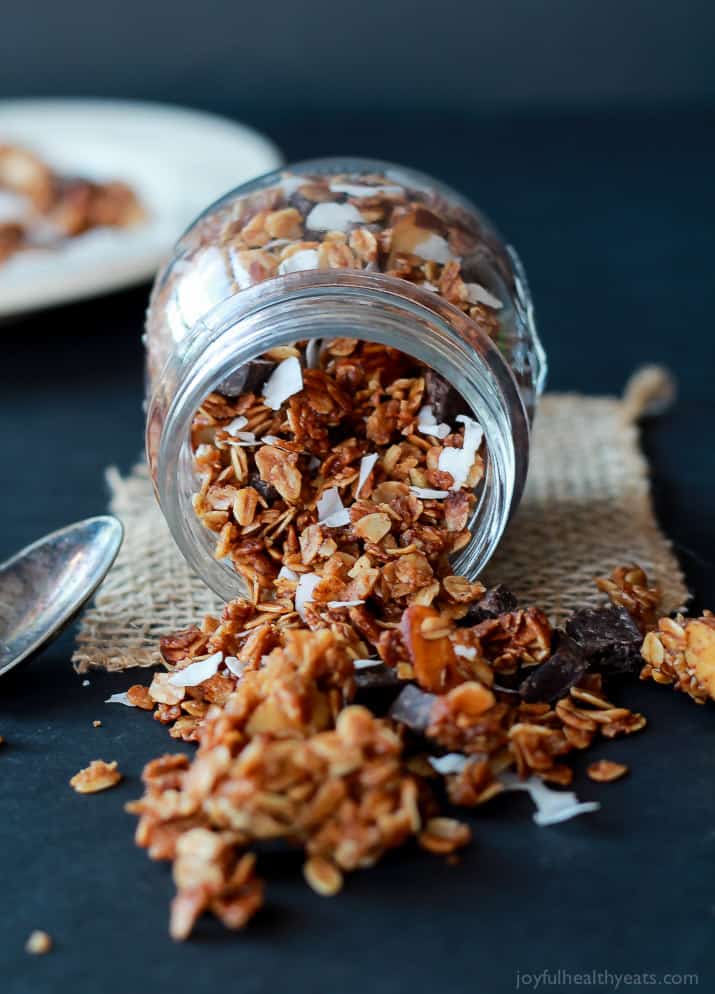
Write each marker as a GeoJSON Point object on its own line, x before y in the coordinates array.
{"type": "Point", "coordinates": [95, 777]}
{"type": "Point", "coordinates": [44, 208]}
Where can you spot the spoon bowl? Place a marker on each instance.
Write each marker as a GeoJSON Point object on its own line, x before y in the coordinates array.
{"type": "Point", "coordinates": [45, 586]}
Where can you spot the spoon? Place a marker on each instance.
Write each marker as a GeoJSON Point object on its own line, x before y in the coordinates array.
{"type": "Point", "coordinates": [45, 586]}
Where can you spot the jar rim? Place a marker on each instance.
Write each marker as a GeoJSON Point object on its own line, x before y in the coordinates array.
{"type": "Point", "coordinates": [329, 304]}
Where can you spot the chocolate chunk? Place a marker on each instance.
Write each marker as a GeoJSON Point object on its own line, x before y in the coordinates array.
{"type": "Point", "coordinates": [266, 490]}
{"type": "Point", "coordinates": [376, 687]}
{"type": "Point", "coordinates": [444, 400]}
{"type": "Point", "coordinates": [413, 708]}
{"type": "Point", "coordinates": [497, 600]}
{"type": "Point", "coordinates": [555, 677]}
{"type": "Point", "coordinates": [248, 378]}
{"type": "Point", "coordinates": [609, 638]}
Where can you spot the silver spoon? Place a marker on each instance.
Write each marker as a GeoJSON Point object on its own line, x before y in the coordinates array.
{"type": "Point", "coordinates": [46, 585]}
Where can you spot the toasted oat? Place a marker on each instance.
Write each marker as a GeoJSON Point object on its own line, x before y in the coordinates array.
{"type": "Point", "coordinates": [95, 777]}
{"type": "Point", "coordinates": [38, 943]}
{"type": "Point", "coordinates": [605, 770]}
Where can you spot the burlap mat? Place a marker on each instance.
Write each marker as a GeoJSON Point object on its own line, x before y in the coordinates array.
{"type": "Point", "coordinates": [586, 509]}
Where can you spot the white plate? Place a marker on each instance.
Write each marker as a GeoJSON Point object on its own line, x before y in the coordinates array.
{"type": "Point", "coordinates": [177, 160]}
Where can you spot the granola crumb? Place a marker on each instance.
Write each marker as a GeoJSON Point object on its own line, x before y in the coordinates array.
{"type": "Point", "coordinates": [38, 943]}
{"type": "Point", "coordinates": [95, 777]}
{"type": "Point", "coordinates": [605, 770]}
{"type": "Point", "coordinates": [97, 723]}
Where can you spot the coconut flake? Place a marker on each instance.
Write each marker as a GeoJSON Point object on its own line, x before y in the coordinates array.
{"type": "Point", "coordinates": [336, 604]}
{"type": "Point", "coordinates": [465, 651]}
{"type": "Point", "coordinates": [552, 806]}
{"type": "Point", "coordinates": [333, 217]}
{"type": "Point", "coordinates": [197, 672]}
{"type": "Point", "coordinates": [424, 493]}
{"type": "Point", "coordinates": [285, 573]}
{"type": "Point", "coordinates": [477, 294]}
{"type": "Point", "coordinates": [366, 465]}
{"type": "Point", "coordinates": [235, 666]}
{"type": "Point", "coordinates": [458, 462]}
{"type": "Point", "coordinates": [299, 261]}
{"type": "Point", "coordinates": [290, 184]}
{"type": "Point", "coordinates": [364, 664]}
{"type": "Point", "coordinates": [434, 248]}
{"type": "Point", "coordinates": [285, 380]}
{"type": "Point", "coordinates": [331, 511]}
{"type": "Point", "coordinates": [120, 699]}
{"type": "Point", "coordinates": [304, 592]}
{"type": "Point", "coordinates": [234, 428]}
{"type": "Point", "coordinates": [355, 190]}
{"type": "Point", "coordinates": [85, 683]}
{"type": "Point", "coordinates": [452, 762]}
{"type": "Point", "coordinates": [427, 423]}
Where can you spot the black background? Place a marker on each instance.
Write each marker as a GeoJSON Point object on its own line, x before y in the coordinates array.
{"type": "Point", "coordinates": [612, 212]}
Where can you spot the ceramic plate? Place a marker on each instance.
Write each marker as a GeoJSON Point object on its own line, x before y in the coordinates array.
{"type": "Point", "coordinates": [177, 160]}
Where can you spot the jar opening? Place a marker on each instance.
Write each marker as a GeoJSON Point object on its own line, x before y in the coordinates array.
{"type": "Point", "coordinates": [322, 307]}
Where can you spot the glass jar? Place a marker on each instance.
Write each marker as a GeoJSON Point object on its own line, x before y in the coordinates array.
{"type": "Point", "coordinates": [342, 249]}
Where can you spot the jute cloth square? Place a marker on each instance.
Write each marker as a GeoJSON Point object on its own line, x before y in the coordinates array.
{"type": "Point", "coordinates": [586, 509]}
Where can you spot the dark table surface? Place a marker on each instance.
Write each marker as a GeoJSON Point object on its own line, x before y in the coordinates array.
{"type": "Point", "coordinates": [613, 216]}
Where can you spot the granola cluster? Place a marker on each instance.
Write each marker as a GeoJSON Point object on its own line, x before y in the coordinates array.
{"type": "Point", "coordinates": [44, 208]}
{"type": "Point", "coordinates": [312, 733]}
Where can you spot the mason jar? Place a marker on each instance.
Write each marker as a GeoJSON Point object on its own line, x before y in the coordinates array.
{"type": "Point", "coordinates": [342, 249]}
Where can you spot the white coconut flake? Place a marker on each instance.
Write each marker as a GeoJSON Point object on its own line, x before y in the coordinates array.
{"type": "Point", "coordinates": [356, 190]}
{"type": "Point", "coordinates": [366, 465]}
{"type": "Point", "coordinates": [427, 423]}
{"type": "Point", "coordinates": [285, 573]}
{"type": "Point", "coordinates": [304, 592]}
{"type": "Point", "coordinates": [453, 762]}
{"type": "Point", "coordinates": [336, 604]}
{"type": "Point", "coordinates": [290, 184]}
{"type": "Point", "coordinates": [333, 217]}
{"type": "Point", "coordinates": [235, 426]}
{"type": "Point", "coordinates": [197, 672]}
{"type": "Point", "coordinates": [240, 274]}
{"type": "Point", "coordinates": [366, 664]}
{"type": "Point", "coordinates": [434, 248]}
{"type": "Point", "coordinates": [552, 806]}
{"type": "Point", "coordinates": [331, 511]}
{"type": "Point", "coordinates": [465, 651]}
{"type": "Point", "coordinates": [458, 462]}
{"type": "Point", "coordinates": [203, 286]}
{"type": "Point", "coordinates": [120, 699]}
{"type": "Point", "coordinates": [235, 666]}
{"type": "Point", "coordinates": [424, 493]}
{"type": "Point", "coordinates": [477, 294]}
{"type": "Point", "coordinates": [285, 380]}
{"type": "Point", "coordinates": [85, 683]}
{"type": "Point", "coordinates": [299, 262]}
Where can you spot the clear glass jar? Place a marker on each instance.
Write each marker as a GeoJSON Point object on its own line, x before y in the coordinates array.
{"type": "Point", "coordinates": [351, 249]}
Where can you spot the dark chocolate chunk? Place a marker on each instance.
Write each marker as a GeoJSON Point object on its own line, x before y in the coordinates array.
{"type": "Point", "coordinates": [376, 687]}
{"type": "Point", "coordinates": [445, 401]}
{"type": "Point", "coordinates": [497, 600]}
{"type": "Point", "coordinates": [609, 638]}
{"type": "Point", "coordinates": [413, 708]}
{"type": "Point", "coordinates": [248, 378]}
{"type": "Point", "coordinates": [267, 491]}
{"type": "Point", "coordinates": [555, 677]}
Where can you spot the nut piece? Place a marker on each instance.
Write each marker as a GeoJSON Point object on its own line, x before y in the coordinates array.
{"type": "Point", "coordinates": [38, 943]}
{"type": "Point", "coordinates": [605, 770]}
{"type": "Point", "coordinates": [323, 876]}
{"type": "Point", "coordinates": [95, 777]}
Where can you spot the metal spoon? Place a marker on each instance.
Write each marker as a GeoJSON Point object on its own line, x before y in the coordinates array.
{"type": "Point", "coordinates": [45, 586]}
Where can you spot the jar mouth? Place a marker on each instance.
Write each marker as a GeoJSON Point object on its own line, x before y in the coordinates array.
{"type": "Point", "coordinates": [327, 305]}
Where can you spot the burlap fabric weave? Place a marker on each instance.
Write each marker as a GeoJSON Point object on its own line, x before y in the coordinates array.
{"type": "Point", "coordinates": [586, 509]}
